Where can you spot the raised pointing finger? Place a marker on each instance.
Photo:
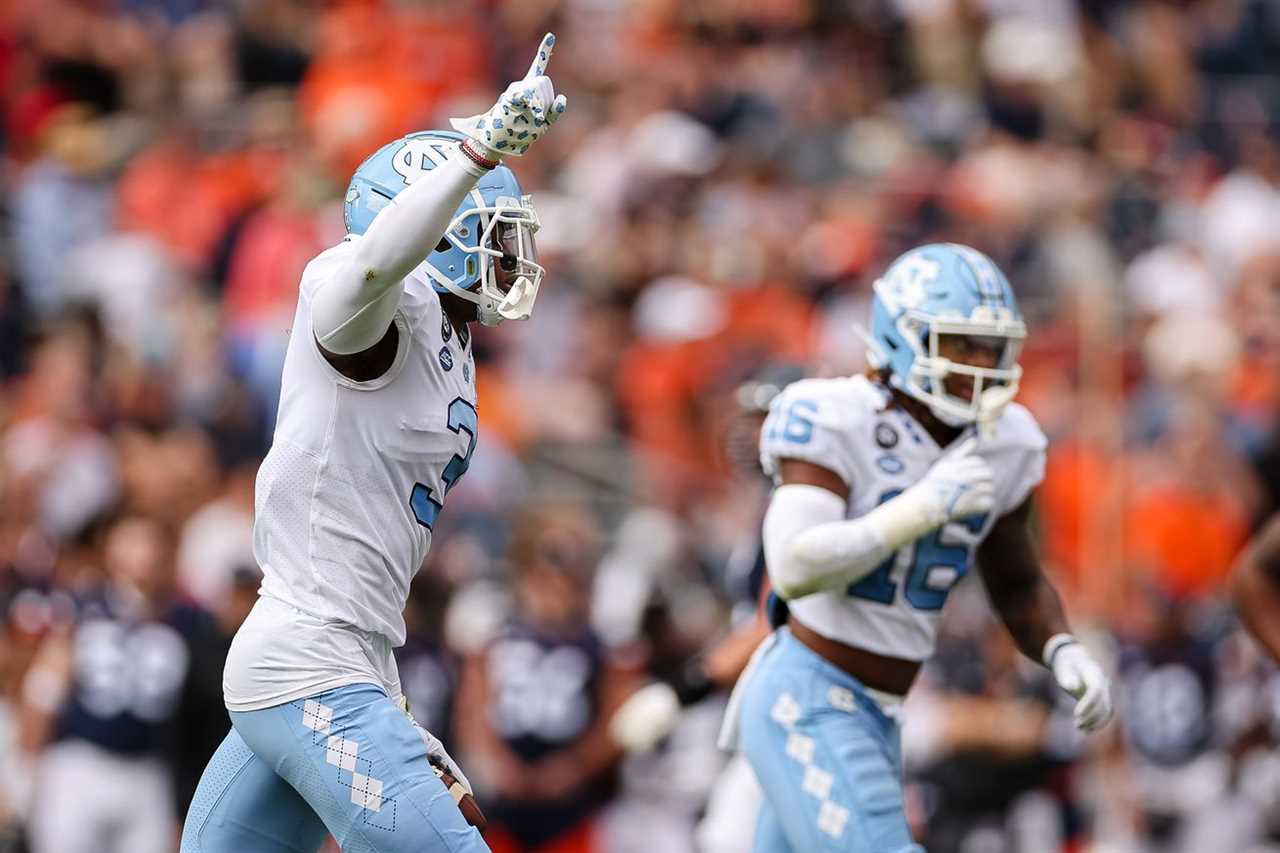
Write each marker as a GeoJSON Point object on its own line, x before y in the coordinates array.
{"type": "Point", "coordinates": [539, 65]}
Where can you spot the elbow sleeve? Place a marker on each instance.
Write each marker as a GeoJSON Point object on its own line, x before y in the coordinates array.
{"type": "Point", "coordinates": [810, 547]}
{"type": "Point", "coordinates": [343, 326]}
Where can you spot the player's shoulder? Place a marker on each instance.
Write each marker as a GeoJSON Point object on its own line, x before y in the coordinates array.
{"type": "Point", "coordinates": [816, 420]}
{"type": "Point", "coordinates": [1017, 454]}
{"type": "Point", "coordinates": [836, 402]}
{"type": "Point", "coordinates": [1018, 429]}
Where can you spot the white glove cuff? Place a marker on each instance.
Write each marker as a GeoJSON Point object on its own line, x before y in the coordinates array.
{"type": "Point", "coordinates": [1055, 644]}
{"type": "Point", "coordinates": [912, 514]}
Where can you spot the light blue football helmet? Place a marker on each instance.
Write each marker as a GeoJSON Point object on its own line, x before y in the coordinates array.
{"type": "Point", "coordinates": [946, 289]}
{"type": "Point", "coordinates": [487, 255]}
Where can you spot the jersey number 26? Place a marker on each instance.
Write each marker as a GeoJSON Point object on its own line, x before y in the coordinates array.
{"type": "Point", "coordinates": [934, 567]}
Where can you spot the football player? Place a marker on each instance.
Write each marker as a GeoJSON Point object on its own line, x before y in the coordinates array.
{"type": "Point", "coordinates": [888, 485]}
{"type": "Point", "coordinates": [377, 422]}
{"type": "Point", "coordinates": [1256, 586]}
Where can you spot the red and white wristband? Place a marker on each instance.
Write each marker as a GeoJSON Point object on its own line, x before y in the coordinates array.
{"type": "Point", "coordinates": [469, 151]}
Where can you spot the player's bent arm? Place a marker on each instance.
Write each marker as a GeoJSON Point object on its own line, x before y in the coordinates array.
{"type": "Point", "coordinates": [1255, 586]}
{"type": "Point", "coordinates": [811, 547]}
{"type": "Point", "coordinates": [596, 749]}
{"type": "Point", "coordinates": [354, 308]}
{"type": "Point", "coordinates": [1020, 593]}
{"type": "Point", "coordinates": [1030, 608]}
{"type": "Point", "coordinates": [489, 760]}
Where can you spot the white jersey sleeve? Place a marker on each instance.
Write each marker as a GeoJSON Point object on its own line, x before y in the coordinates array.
{"type": "Point", "coordinates": [814, 420]}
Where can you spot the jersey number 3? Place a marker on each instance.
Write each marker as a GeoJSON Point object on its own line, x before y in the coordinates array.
{"type": "Point", "coordinates": [935, 567]}
{"type": "Point", "coordinates": [462, 416]}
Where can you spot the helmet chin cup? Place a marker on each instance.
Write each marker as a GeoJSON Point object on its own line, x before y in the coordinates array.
{"type": "Point", "coordinates": [991, 404]}
{"type": "Point", "coordinates": [993, 390]}
{"type": "Point", "coordinates": [518, 303]}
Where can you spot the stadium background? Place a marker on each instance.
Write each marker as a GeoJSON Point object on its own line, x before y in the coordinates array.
{"type": "Point", "coordinates": [729, 179]}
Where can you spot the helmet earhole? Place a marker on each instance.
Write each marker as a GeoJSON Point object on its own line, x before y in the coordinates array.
{"type": "Point", "coordinates": [444, 245]}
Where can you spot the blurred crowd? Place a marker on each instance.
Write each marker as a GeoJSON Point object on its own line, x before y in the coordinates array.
{"type": "Point", "coordinates": [728, 181]}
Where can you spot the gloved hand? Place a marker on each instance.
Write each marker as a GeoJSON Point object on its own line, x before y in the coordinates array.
{"type": "Point", "coordinates": [646, 717]}
{"type": "Point", "coordinates": [522, 114]}
{"type": "Point", "coordinates": [453, 779]}
{"type": "Point", "coordinates": [1080, 675]}
{"type": "Point", "coordinates": [959, 485]}
{"type": "Point", "coordinates": [448, 771]}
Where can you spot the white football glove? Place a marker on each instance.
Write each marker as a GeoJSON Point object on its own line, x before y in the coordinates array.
{"type": "Point", "coordinates": [522, 114]}
{"type": "Point", "coordinates": [959, 485]}
{"type": "Point", "coordinates": [436, 754]}
{"type": "Point", "coordinates": [646, 717]}
{"type": "Point", "coordinates": [435, 747]}
{"type": "Point", "coordinates": [1080, 675]}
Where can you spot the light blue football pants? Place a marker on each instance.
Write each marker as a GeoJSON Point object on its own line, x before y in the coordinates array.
{"type": "Point", "coordinates": [345, 762]}
{"type": "Point", "coordinates": [827, 757]}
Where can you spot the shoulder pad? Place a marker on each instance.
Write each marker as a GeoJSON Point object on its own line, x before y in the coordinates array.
{"type": "Point", "coordinates": [812, 420]}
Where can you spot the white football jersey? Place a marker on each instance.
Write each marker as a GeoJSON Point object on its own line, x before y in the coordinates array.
{"type": "Point", "coordinates": [346, 498]}
{"type": "Point", "coordinates": [844, 425]}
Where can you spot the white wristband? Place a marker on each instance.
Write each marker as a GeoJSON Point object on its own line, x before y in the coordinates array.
{"type": "Point", "coordinates": [1055, 644]}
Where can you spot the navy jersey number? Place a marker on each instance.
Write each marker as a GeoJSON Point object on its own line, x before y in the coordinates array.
{"type": "Point", "coordinates": [929, 553]}
{"type": "Point", "coordinates": [462, 416]}
{"type": "Point", "coordinates": [794, 425]}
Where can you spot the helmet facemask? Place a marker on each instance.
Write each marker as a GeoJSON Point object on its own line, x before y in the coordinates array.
{"type": "Point", "coordinates": [944, 315]}
{"type": "Point", "coordinates": [503, 254]}
{"type": "Point", "coordinates": [992, 387]}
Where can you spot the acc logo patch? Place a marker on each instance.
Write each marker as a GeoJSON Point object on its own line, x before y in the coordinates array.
{"type": "Point", "coordinates": [446, 359]}
{"type": "Point", "coordinates": [891, 464]}
{"type": "Point", "coordinates": [886, 436]}
{"type": "Point", "coordinates": [466, 371]}
{"type": "Point", "coordinates": [446, 328]}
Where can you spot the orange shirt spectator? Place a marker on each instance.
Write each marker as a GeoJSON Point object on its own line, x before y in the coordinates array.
{"type": "Point", "coordinates": [1187, 538]}
{"type": "Point", "coordinates": [188, 200]}
{"type": "Point", "coordinates": [380, 74]}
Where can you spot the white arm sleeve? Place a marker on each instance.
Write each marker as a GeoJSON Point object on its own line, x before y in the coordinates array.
{"type": "Point", "coordinates": [810, 547]}
{"type": "Point", "coordinates": [353, 309]}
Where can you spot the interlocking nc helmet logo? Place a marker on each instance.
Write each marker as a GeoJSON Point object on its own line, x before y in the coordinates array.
{"type": "Point", "coordinates": [906, 282]}
{"type": "Point", "coordinates": [418, 156]}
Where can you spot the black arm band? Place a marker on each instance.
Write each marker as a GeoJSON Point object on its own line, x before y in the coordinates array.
{"type": "Point", "coordinates": [691, 683]}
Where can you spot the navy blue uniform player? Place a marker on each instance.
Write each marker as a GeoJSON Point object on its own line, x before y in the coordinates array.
{"type": "Point", "coordinates": [123, 727]}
